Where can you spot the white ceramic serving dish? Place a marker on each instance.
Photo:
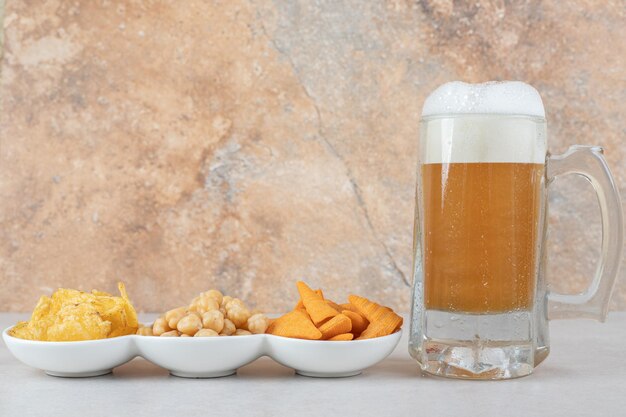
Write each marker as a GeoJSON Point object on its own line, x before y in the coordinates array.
{"type": "Point", "coordinates": [324, 359]}
{"type": "Point", "coordinates": [72, 359]}
{"type": "Point", "coordinates": [202, 357]}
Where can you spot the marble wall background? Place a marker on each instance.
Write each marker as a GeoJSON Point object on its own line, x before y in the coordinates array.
{"type": "Point", "coordinates": [244, 144]}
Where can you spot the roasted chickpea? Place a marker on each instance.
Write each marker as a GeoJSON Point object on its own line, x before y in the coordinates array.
{"type": "Point", "coordinates": [258, 323]}
{"type": "Point", "coordinates": [211, 313]}
{"type": "Point", "coordinates": [232, 303]}
{"type": "Point", "coordinates": [197, 313]}
{"type": "Point", "coordinates": [216, 295]}
{"type": "Point", "coordinates": [204, 303]}
{"type": "Point", "coordinates": [189, 324]}
{"type": "Point", "coordinates": [225, 300]}
{"type": "Point", "coordinates": [144, 331]}
{"type": "Point", "coordinates": [229, 328]}
{"type": "Point", "coordinates": [174, 315]}
{"type": "Point", "coordinates": [238, 315]}
{"type": "Point", "coordinates": [213, 320]}
{"type": "Point", "coordinates": [160, 326]}
{"type": "Point", "coordinates": [206, 333]}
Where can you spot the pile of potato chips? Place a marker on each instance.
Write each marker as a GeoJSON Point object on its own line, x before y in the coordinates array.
{"type": "Point", "coordinates": [71, 315]}
{"type": "Point", "coordinates": [316, 318]}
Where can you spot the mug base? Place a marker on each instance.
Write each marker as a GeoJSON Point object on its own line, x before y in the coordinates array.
{"type": "Point", "coordinates": [477, 346]}
{"type": "Point", "coordinates": [477, 362]}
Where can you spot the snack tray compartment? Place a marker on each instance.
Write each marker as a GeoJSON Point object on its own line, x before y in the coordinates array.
{"type": "Point", "coordinates": [202, 357]}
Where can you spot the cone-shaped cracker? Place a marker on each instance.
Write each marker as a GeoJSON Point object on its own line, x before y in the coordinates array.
{"type": "Point", "coordinates": [348, 306]}
{"type": "Point", "coordinates": [314, 303]}
{"type": "Point", "coordinates": [343, 336]}
{"type": "Point", "coordinates": [300, 305]}
{"type": "Point", "coordinates": [359, 323]}
{"type": "Point", "coordinates": [337, 325]}
{"type": "Point", "coordinates": [334, 305]}
{"type": "Point", "coordinates": [296, 324]}
{"type": "Point", "coordinates": [368, 309]}
{"type": "Point", "coordinates": [383, 327]}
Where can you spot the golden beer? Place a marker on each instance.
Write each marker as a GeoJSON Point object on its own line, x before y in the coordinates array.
{"type": "Point", "coordinates": [480, 235]}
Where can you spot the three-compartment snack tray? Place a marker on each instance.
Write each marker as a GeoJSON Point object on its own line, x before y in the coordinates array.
{"type": "Point", "coordinates": [202, 357]}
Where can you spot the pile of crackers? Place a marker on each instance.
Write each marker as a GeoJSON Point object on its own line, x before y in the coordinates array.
{"type": "Point", "coordinates": [317, 318]}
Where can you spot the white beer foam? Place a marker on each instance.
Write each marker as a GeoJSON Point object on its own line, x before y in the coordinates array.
{"type": "Point", "coordinates": [494, 97]}
{"type": "Point", "coordinates": [476, 124]}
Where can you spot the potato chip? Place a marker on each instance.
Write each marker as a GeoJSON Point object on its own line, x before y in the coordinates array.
{"type": "Point", "coordinates": [119, 311]}
{"type": "Point", "coordinates": [71, 315]}
{"type": "Point", "coordinates": [78, 322]}
{"type": "Point", "coordinates": [22, 331]}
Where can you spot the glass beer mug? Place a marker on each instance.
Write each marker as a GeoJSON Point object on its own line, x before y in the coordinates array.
{"type": "Point", "coordinates": [480, 303]}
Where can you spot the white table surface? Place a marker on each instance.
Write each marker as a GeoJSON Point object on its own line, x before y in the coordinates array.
{"type": "Point", "coordinates": [585, 375]}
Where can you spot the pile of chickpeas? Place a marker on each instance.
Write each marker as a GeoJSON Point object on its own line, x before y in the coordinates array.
{"type": "Point", "coordinates": [209, 314]}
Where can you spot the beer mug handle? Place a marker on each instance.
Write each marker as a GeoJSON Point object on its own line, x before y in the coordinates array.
{"type": "Point", "coordinates": [589, 162]}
